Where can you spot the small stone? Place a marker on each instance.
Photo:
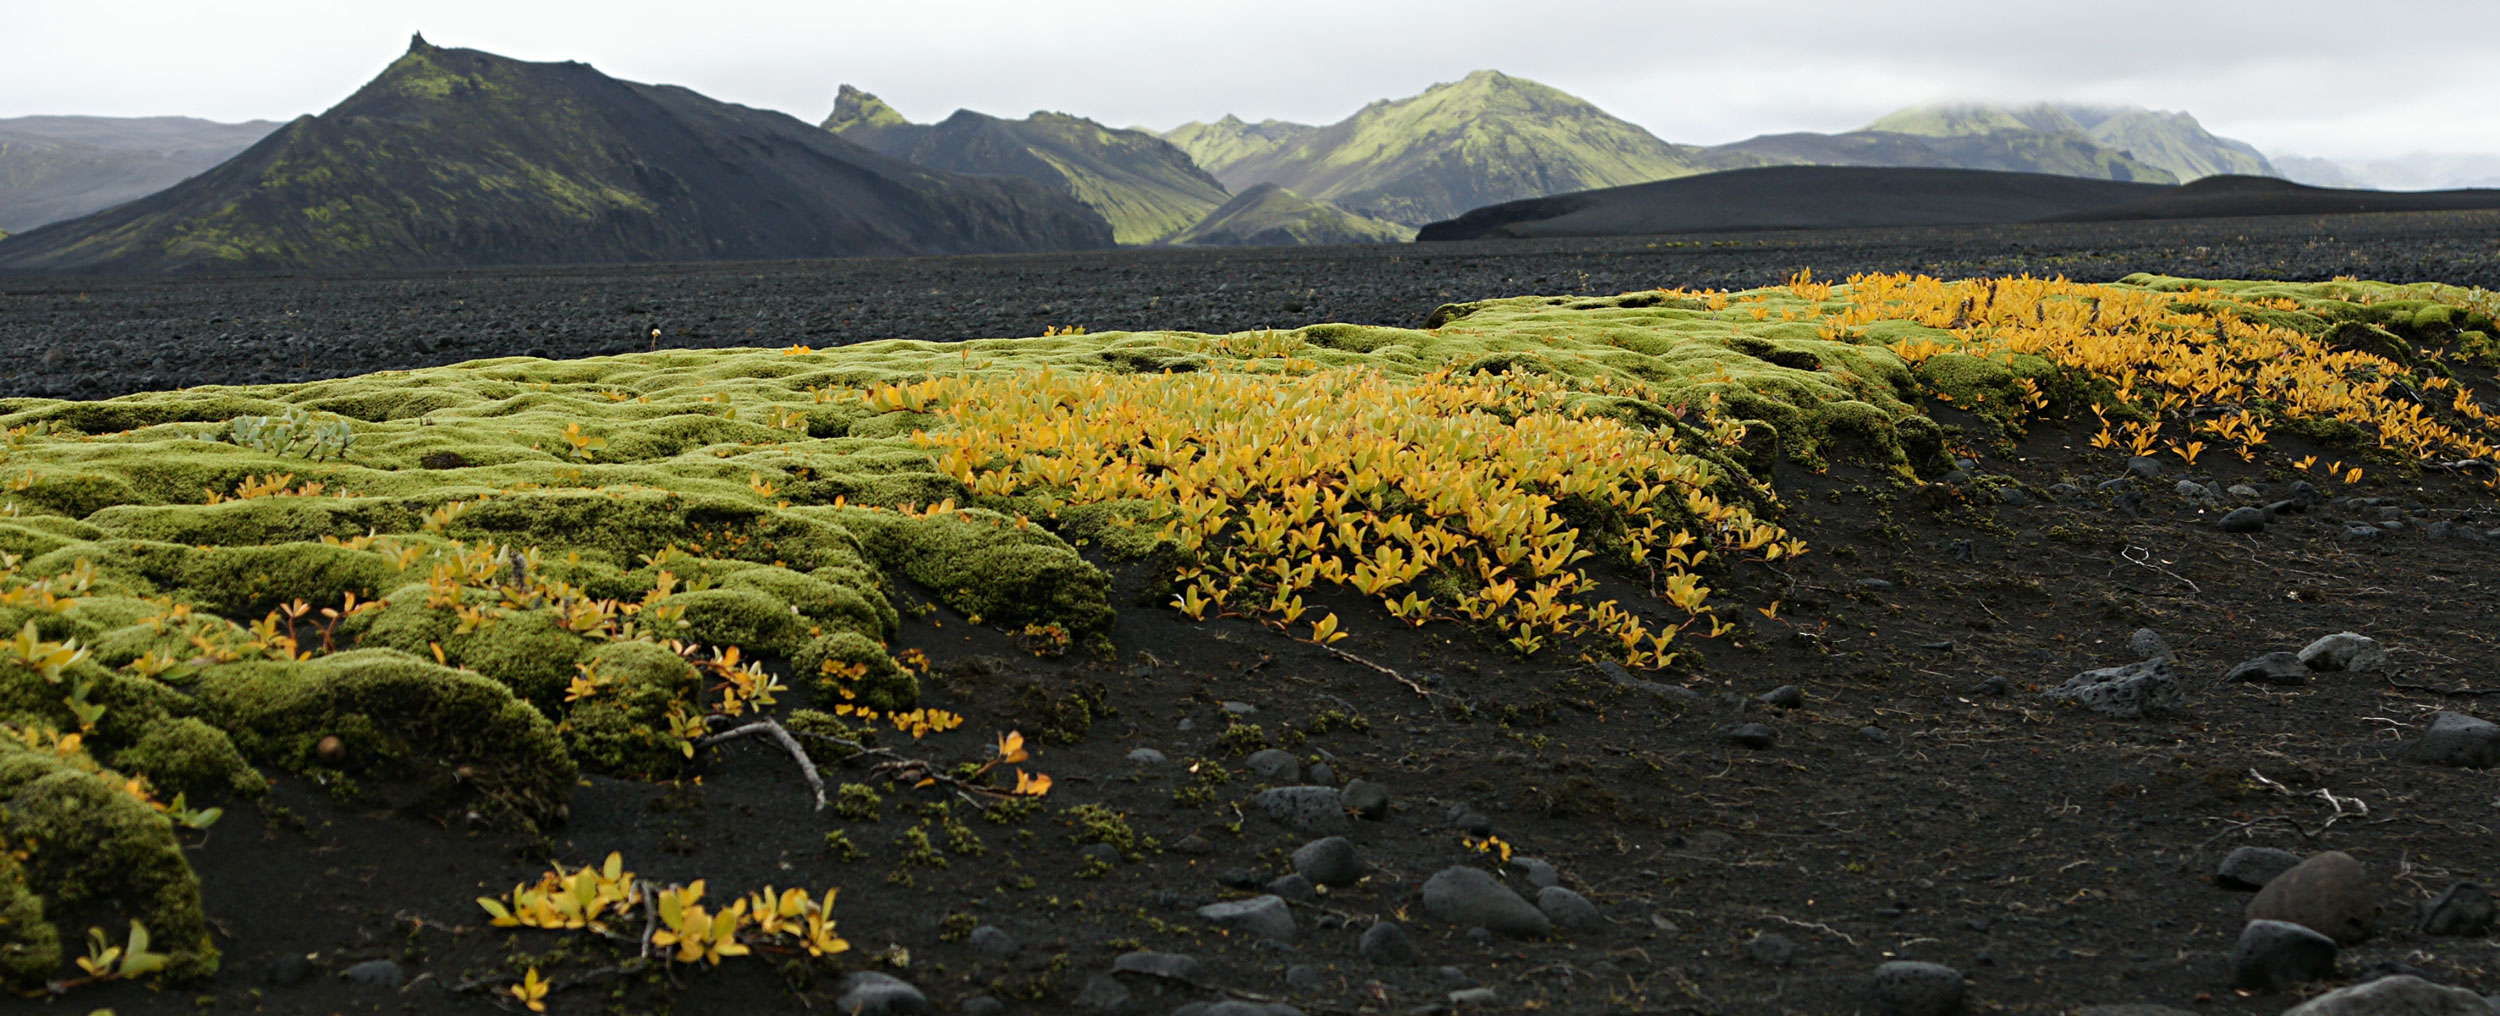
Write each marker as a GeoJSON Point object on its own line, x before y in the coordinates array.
{"type": "Point", "coordinates": [993, 940]}
{"type": "Point", "coordinates": [2456, 739]}
{"type": "Point", "coordinates": [2014, 496]}
{"type": "Point", "coordinates": [1240, 709]}
{"type": "Point", "coordinates": [1786, 696]}
{"type": "Point", "coordinates": [1672, 693]}
{"type": "Point", "coordinates": [1274, 765]}
{"type": "Point", "coordinates": [2115, 486]}
{"type": "Point", "coordinates": [869, 993]}
{"type": "Point", "coordinates": [2145, 466]}
{"type": "Point", "coordinates": [1991, 686]}
{"type": "Point", "coordinates": [981, 1005]}
{"type": "Point", "coordinates": [2306, 493]}
{"type": "Point", "coordinates": [1105, 994]}
{"type": "Point", "coordinates": [1304, 977]}
{"type": "Point", "coordinates": [2133, 1009]}
{"type": "Point", "coordinates": [2274, 955]}
{"type": "Point", "coordinates": [1101, 853]}
{"type": "Point", "coordinates": [2064, 490]}
{"type": "Point", "coordinates": [1771, 949]}
{"type": "Point", "coordinates": [1332, 862]}
{"type": "Point", "coordinates": [380, 973]}
{"type": "Point", "coordinates": [1453, 978]}
{"type": "Point", "coordinates": [1169, 966]}
{"type": "Point", "coordinates": [2344, 651]}
{"type": "Point", "coordinates": [1874, 733]}
{"type": "Point", "coordinates": [2244, 492]}
{"type": "Point", "coordinates": [2242, 520]}
{"type": "Point", "coordinates": [1265, 917]}
{"type": "Point", "coordinates": [1365, 798]}
{"type": "Point", "coordinates": [1147, 757]}
{"type": "Point", "coordinates": [1320, 774]}
{"type": "Point", "coordinates": [1470, 821]}
{"type": "Point", "coordinates": [1475, 998]}
{"type": "Point", "coordinates": [1568, 910]}
{"type": "Point", "coordinates": [2191, 490]}
{"type": "Point", "coordinates": [1388, 944]}
{"type": "Point", "coordinates": [2329, 893]}
{"type": "Point", "coordinates": [1318, 811]}
{"type": "Point", "coordinates": [1538, 873]}
{"type": "Point", "coordinates": [1751, 735]}
{"type": "Point", "coordinates": [1874, 585]}
{"type": "Point", "coordinates": [2250, 868]}
{"type": "Point", "coordinates": [1293, 887]}
{"type": "Point", "coordinates": [2127, 692]}
{"type": "Point", "coordinates": [330, 751]}
{"type": "Point", "coordinates": [2272, 668]}
{"type": "Point", "coordinates": [2361, 533]}
{"type": "Point", "coordinates": [1482, 938]}
{"type": "Point", "coordinates": [1236, 1007]}
{"type": "Point", "coordinates": [1912, 988]}
{"type": "Point", "coordinates": [2147, 643]}
{"type": "Point", "coordinates": [2400, 995]}
{"type": "Point", "coordinates": [1470, 897]}
{"type": "Point", "coordinates": [290, 969]}
{"type": "Point", "coordinates": [2465, 910]}
{"type": "Point", "coordinates": [1240, 878]}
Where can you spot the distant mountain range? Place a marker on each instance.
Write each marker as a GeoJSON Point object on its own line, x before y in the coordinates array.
{"type": "Point", "coordinates": [457, 157]}
{"type": "Point", "coordinates": [62, 167]}
{"type": "Point", "coordinates": [2418, 171]}
{"type": "Point", "coordinates": [1266, 215]}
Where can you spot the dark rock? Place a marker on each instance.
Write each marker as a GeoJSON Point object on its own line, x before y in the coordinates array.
{"type": "Point", "coordinates": [1169, 966]}
{"type": "Point", "coordinates": [1105, 994]}
{"type": "Point", "coordinates": [2278, 509]}
{"type": "Point", "coordinates": [2465, 910]}
{"type": "Point", "coordinates": [2329, 893]}
{"type": "Point", "coordinates": [1786, 696]}
{"type": "Point", "coordinates": [1538, 873]}
{"type": "Point", "coordinates": [2149, 644]}
{"type": "Point", "coordinates": [2242, 520]}
{"type": "Point", "coordinates": [2274, 955]}
{"type": "Point", "coordinates": [1911, 988]}
{"type": "Point", "coordinates": [1320, 775]}
{"type": "Point", "coordinates": [869, 993]}
{"type": "Point", "coordinates": [2272, 668]}
{"type": "Point", "coordinates": [1332, 861]}
{"type": "Point", "coordinates": [1470, 897]}
{"type": "Point", "coordinates": [1236, 1007]}
{"type": "Point", "coordinates": [1475, 998]}
{"type": "Point", "coordinates": [1293, 887]}
{"type": "Point", "coordinates": [2456, 739]}
{"type": "Point", "coordinates": [1319, 811]}
{"type": "Point", "coordinates": [1365, 798]}
{"type": "Point", "coordinates": [2014, 496]}
{"type": "Point", "coordinates": [1992, 686]}
{"type": "Point", "coordinates": [1146, 757]}
{"type": "Point", "coordinates": [379, 973]}
{"type": "Point", "coordinates": [2250, 868]}
{"type": "Point", "coordinates": [2122, 483]}
{"type": "Point", "coordinates": [1771, 948]}
{"type": "Point", "coordinates": [1388, 944]}
{"type": "Point", "coordinates": [1568, 910]}
{"type": "Point", "coordinates": [1874, 733]}
{"type": "Point", "coordinates": [1101, 853]}
{"type": "Point", "coordinates": [1240, 709]}
{"type": "Point", "coordinates": [981, 1005]}
{"type": "Point", "coordinates": [2305, 493]}
{"type": "Point", "coordinates": [1751, 735]}
{"type": "Point", "coordinates": [1305, 978]}
{"type": "Point", "coordinates": [1265, 917]}
{"type": "Point", "coordinates": [993, 940]}
{"type": "Point", "coordinates": [2401, 995]}
{"type": "Point", "coordinates": [2064, 490]}
{"type": "Point", "coordinates": [2191, 490]}
{"type": "Point", "coordinates": [1874, 585]}
{"type": "Point", "coordinates": [1667, 692]}
{"type": "Point", "coordinates": [2133, 1009]}
{"type": "Point", "coordinates": [2344, 651]}
{"type": "Point", "coordinates": [291, 969]}
{"type": "Point", "coordinates": [1274, 765]}
{"type": "Point", "coordinates": [2137, 689]}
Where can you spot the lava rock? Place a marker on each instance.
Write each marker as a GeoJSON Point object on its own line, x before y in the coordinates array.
{"type": "Point", "coordinates": [981, 1005]}
{"type": "Point", "coordinates": [379, 973]}
{"type": "Point", "coordinates": [993, 940]}
{"type": "Point", "coordinates": [1319, 811]}
{"type": "Point", "coordinates": [1365, 798]}
{"type": "Point", "coordinates": [1265, 917]}
{"type": "Point", "coordinates": [2191, 490]}
{"type": "Point", "coordinates": [1667, 692]}
{"type": "Point", "coordinates": [2329, 893]}
{"type": "Point", "coordinates": [1305, 978]}
{"type": "Point", "coordinates": [1475, 998]}
{"type": "Point", "coordinates": [2149, 644]}
{"type": "Point", "coordinates": [1274, 765]}
{"type": "Point", "coordinates": [1912, 988]}
{"type": "Point", "coordinates": [2456, 739]}
{"type": "Point", "coordinates": [1105, 994]}
{"type": "Point", "coordinates": [2144, 466]}
{"type": "Point", "coordinates": [2272, 668]}
{"type": "Point", "coordinates": [2465, 910]}
{"type": "Point", "coordinates": [2401, 995]}
{"type": "Point", "coordinates": [2250, 868]}
{"type": "Point", "coordinates": [2242, 520]}
{"type": "Point", "coordinates": [1146, 757]}
{"type": "Point", "coordinates": [1751, 735]}
{"type": "Point", "coordinates": [1169, 966]}
{"type": "Point", "coordinates": [1470, 897]}
{"type": "Point", "coordinates": [1294, 888]}
{"type": "Point", "coordinates": [1538, 873]}
{"type": "Point", "coordinates": [290, 969]}
{"type": "Point", "coordinates": [2345, 651]}
{"type": "Point", "coordinates": [2274, 955]}
{"type": "Point", "coordinates": [1388, 944]}
{"type": "Point", "coordinates": [2137, 689]}
{"type": "Point", "coordinates": [1320, 775]}
{"type": "Point", "coordinates": [1786, 696]}
{"type": "Point", "coordinates": [1470, 821]}
{"type": "Point", "coordinates": [869, 993]}
{"type": "Point", "coordinates": [1772, 949]}
{"type": "Point", "coordinates": [1568, 910]}
{"type": "Point", "coordinates": [1331, 861]}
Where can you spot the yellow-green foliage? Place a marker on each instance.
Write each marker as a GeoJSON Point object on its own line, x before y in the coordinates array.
{"type": "Point", "coordinates": [89, 843]}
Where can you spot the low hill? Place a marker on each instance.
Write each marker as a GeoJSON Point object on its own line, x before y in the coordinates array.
{"type": "Point", "coordinates": [2233, 196]}
{"type": "Point", "coordinates": [61, 167]}
{"type": "Point", "coordinates": [1146, 187]}
{"type": "Point", "coordinates": [1796, 197]}
{"type": "Point", "coordinates": [456, 157]}
{"type": "Point", "coordinates": [1217, 146]}
{"type": "Point", "coordinates": [1267, 215]}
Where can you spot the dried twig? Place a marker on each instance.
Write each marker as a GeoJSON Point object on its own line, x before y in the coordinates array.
{"type": "Point", "coordinates": [1341, 654]}
{"type": "Point", "coordinates": [769, 727]}
{"type": "Point", "coordinates": [2141, 556]}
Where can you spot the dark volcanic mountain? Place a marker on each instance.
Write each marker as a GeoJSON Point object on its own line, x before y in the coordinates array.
{"type": "Point", "coordinates": [456, 157]}
{"type": "Point", "coordinates": [1145, 186]}
{"type": "Point", "coordinates": [1798, 197]}
{"type": "Point", "coordinates": [1267, 215]}
{"type": "Point", "coordinates": [62, 167]}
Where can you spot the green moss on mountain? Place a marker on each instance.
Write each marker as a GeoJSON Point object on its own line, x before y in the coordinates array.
{"type": "Point", "coordinates": [1217, 146]}
{"type": "Point", "coordinates": [2175, 142]}
{"type": "Point", "coordinates": [1267, 215]}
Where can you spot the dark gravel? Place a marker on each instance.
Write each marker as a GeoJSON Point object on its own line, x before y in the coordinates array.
{"type": "Point", "coordinates": [97, 336]}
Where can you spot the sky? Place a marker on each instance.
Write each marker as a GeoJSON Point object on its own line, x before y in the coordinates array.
{"type": "Point", "coordinates": [2352, 80]}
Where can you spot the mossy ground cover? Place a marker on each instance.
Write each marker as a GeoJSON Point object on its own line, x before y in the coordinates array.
{"type": "Point", "coordinates": [525, 571]}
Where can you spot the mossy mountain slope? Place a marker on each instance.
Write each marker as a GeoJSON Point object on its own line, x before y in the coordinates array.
{"type": "Point", "coordinates": [1217, 146]}
{"type": "Point", "coordinates": [456, 157]}
{"type": "Point", "coordinates": [1267, 215]}
{"type": "Point", "coordinates": [1142, 184]}
{"type": "Point", "coordinates": [2173, 142]}
{"type": "Point", "coordinates": [61, 167]}
{"type": "Point", "coordinates": [1487, 138]}
{"type": "Point", "coordinates": [2176, 142]}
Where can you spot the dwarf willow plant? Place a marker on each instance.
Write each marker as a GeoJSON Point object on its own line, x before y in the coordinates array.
{"type": "Point", "coordinates": [315, 437]}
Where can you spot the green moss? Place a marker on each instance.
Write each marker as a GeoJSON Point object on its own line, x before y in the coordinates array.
{"type": "Point", "coordinates": [30, 948]}
{"type": "Point", "coordinates": [985, 565]}
{"type": "Point", "coordinates": [187, 756]}
{"type": "Point", "coordinates": [827, 660]}
{"type": "Point", "coordinates": [742, 617]}
{"type": "Point", "coordinates": [95, 846]}
{"type": "Point", "coordinates": [828, 604]}
{"type": "Point", "coordinates": [524, 650]}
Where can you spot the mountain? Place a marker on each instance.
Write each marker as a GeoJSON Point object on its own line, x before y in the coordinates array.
{"type": "Point", "coordinates": [1797, 197]}
{"type": "Point", "coordinates": [1266, 215]}
{"type": "Point", "coordinates": [2318, 172]}
{"type": "Point", "coordinates": [1217, 146]}
{"type": "Point", "coordinates": [2417, 171]}
{"type": "Point", "coordinates": [2229, 196]}
{"type": "Point", "coordinates": [1487, 138]}
{"type": "Point", "coordinates": [456, 157]}
{"type": "Point", "coordinates": [1145, 186]}
{"type": "Point", "coordinates": [2171, 140]}
{"type": "Point", "coordinates": [62, 167]}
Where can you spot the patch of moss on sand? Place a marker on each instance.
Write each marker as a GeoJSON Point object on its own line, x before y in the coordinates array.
{"type": "Point", "coordinates": [96, 846]}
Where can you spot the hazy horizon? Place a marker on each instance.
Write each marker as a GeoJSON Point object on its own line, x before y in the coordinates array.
{"type": "Point", "coordinates": [2291, 78]}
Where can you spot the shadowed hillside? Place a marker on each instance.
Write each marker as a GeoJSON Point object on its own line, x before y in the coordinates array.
{"type": "Point", "coordinates": [62, 167]}
{"type": "Point", "coordinates": [1267, 215]}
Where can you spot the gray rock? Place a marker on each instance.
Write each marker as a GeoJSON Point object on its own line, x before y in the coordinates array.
{"type": "Point", "coordinates": [1475, 998]}
{"type": "Point", "coordinates": [1786, 696]}
{"type": "Point", "coordinates": [1751, 735]}
{"type": "Point", "coordinates": [1388, 944]}
{"type": "Point", "coordinates": [2137, 689]}
{"type": "Point", "coordinates": [379, 973]}
{"type": "Point", "coordinates": [1470, 821]}
{"type": "Point", "coordinates": [2361, 533]}
{"type": "Point", "coordinates": [869, 993]}
{"type": "Point", "coordinates": [993, 940]}
{"type": "Point", "coordinates": [1568, 910]}
{"type": "Point", "coordinates": [1274, 765]}
{"type": "Point", "coordinates": [1169, 966]}
{"type": "Point", "coordinates": [1240, 709]}
{"type": "Point", "coordinates": [2144, 466]}
{"type": "Point", "coordinates": [2272, 668]}
{"type": "Point", "coordinates": [1470, 897]}
{"type": "Point", "coordinates": [1320, 775]}
{"type": "Point", "coordinates": [1874, 733]}
{"type": "Point", "coordinates": [981, 1005]}
{"type": "Point", "coordinates": [1911, 988]}
{"type": "Point", "coordinates": [2345, 651]}
{"type": "Point", "coordinates": [2242, 520]}
{"type": "Point", "coordinates": [1873, 585]}
{"type": "Point", "coordinates": [2445, 530]}
{"type": "Point", "coordinates": [2149, 644]}
{"type": "Point", "coordinates": [1772, 949]}
{"type": "Point", "coordinates": [1265, 917]}
{"type": "Point", "coordinates": [2274, 955]}
{"type": "Point", "coordinates": [1147, 757]}
{"type": "Point", "coordinates": [1102, 853]}
{"type": "Point", "coordinates": [1538, 873]}
{"type": "Point", "coordinates": [1676, 694]}
{"type": "Point", "coordinates": [2250, 868]}
{"type": "Point", "coordinates": [2401, 995]}
{"type": "Point", "coordinates": [1319, 811]}
{"type": "Point", "coordinates": [2065, 490]}
{"type": "Point", "coordinates": [2114, 486]}
{"type": "Point", "coordinates": [2133, 1009]}
{"type": "Point", "coordinates": [2015, 496]}
{"type": "Point", "coordinates": [2305, 493]}
{"type": "Point", "coordinates": [1305, 978]}
{"type": "Point", "coordinates": [2244, 492]}
{"type": "Point", "coordinates": [1293, 887]}
{"type": "Point", "coordinates": [1453, 978]}
{"type": "Point", "coordinates": [2465, 910]}
{"type": "Point", "coordinates": [1105, 994]}
{"type": "Point", "coordinates": [2329, 893]}
{"type": "Point", "coordinates": [2191, 490]}
{"type": "Point", "coordinates": [1365, 798]}
{"type": "Point", "coordinates": [290, 969]}
{"type": "Point", "coordinates": [2456, 739]}
{"type": "Point", "coordinates": [1332, 861]}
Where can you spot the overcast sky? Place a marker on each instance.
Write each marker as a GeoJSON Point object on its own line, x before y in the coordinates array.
{"type": "Point", "coordinates": [2369, 79]}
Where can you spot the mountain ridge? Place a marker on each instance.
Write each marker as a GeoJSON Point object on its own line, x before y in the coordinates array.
{"type": "Point", "coordinates": [61, 167]}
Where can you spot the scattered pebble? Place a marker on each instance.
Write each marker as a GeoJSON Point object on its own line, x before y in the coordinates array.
{"type": "Point", "coordinates": [2329, 893]}
{"type": "Point", "coordinates": [869, 993]}
{"type": "Point", "coordinates": [1365, 798]}
{"type": "Point", "coordinates": [2250, 868]}
{"type": "Point", "coordinates": [1388, 944]}
{"type": "Point", "coordinates": [2456, 739]}
{"type": "Point", "coordinates": [1293, 887]}
{"type": "Point", "coordinates": [2400, 995]}
{"type": "Point", "coordinates": [1771, 948]}
{"type": "Point", "coordinates": [2127, 692]}
{"type": "Point", "coordinates": [1475, 998]}
{"type": "Point", "coordinates": [2272, 668]}
{"type": "Point", "coordinates": [1786, 696]}
{"type": "Point", "coordinates": [1318, 811]}
{"type": "Point", "coordinates": [2147, 643]}
{"type": "Point", "coordinates": [1912, 988]}
{"type": "Point", "coordinates": [1147, 757]}
{"type": "Point", "coordinates": [1751, 735]}
{"type": "Point", "coordinates": [2274, 955]}
{"type": "Point", "coordinates": [2344, 651]}
{"type": "Point", "coordinates": [1265, 917]}
{"type": "Point", "coordinates": [1467, 896]}
{"type": "Point", "coordinates": [1332, 862]}
{"type": "Point", "coordinates": [2242, 520]}
{"type": "Point", "coordinates": [1274, 765]}
{"type": "Point", "coordinates": [1568, 910]}
{"type": "Point", "coordinates": [1538, 873]}
{"type": "Point", "coordinates": [2464, 910]}
{"type": "Point", "coordinates": [380, 973]}
{"type": "Point", "coordinates": [1170, 966]}
{"type": "Point", "coordinates": [993, 940]}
